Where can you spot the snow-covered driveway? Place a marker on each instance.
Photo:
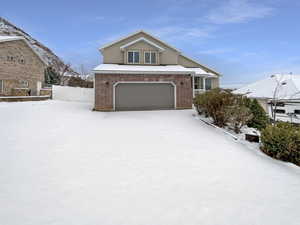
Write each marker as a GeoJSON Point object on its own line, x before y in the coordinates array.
{"type": "Point", "coordinates": [62, 164]}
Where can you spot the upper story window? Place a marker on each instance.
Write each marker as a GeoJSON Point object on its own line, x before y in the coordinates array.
{"type": "Point", "coordinates": [133, 57]}
{"type": "Point", "coordinates": [150, 57]}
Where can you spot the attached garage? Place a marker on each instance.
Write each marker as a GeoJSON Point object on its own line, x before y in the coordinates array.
{"type": "Point", "coordinates": [132, 87]}
{"type": "Point", "coordinates": [144, 95]}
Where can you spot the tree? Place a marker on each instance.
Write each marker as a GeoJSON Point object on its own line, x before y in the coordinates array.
{"type": "Point", "coordinates": [51, 76]}
{"type": "Point", "coordinates": [260, 119]}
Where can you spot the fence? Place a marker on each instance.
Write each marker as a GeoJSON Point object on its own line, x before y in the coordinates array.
{"type": "Point", "coordinates": [75, 94]}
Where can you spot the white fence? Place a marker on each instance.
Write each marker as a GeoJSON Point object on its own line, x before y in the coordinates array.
{"type": "Point", "coordinates": [75, 94]}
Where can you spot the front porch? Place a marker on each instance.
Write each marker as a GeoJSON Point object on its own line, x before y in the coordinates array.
{"type": "Point", "coordinates": [203, 81]}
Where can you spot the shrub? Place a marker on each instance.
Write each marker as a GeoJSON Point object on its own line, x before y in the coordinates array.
{"type": "Point", "coordinates": [240, 115]}
{"type": "Point", "coordinates": [282, 141]}
{"type": "Point", "coordinates": [79, 82]}
{"type": "Point", "coordinates": [260, 118]}
{"type": "Point", "coordinates": [215, 103]}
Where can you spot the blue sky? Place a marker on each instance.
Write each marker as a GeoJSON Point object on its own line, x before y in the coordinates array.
{"type": "Point", "coordinates": [244, 40]}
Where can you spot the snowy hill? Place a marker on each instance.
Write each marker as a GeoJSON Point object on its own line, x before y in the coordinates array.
{"type": "Point", "coordinates": [8, 29]}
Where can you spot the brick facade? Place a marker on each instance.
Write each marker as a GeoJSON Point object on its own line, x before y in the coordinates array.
{"type": "Point", "coordinates": [19, 66]}
{"type": "Point", "coordinates": [104, 88]}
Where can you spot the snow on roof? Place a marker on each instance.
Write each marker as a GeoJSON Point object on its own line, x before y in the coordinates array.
{"type": "Point", "coordinates": [10, 38]}
{"type": "Point", "coordinates": [288, 88]}
{"type": "Point", "coordinates": [137, 69]}
{"type": "Point", "coordinates": [199, 71]}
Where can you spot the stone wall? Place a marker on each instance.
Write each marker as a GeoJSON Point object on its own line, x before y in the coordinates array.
{"type": "Point", "coordinates": [104, 88]}
{"type": "Point", "coordinates": [19, 65]}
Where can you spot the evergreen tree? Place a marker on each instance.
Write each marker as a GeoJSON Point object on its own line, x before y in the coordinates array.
{"type": "Point", "coordinates": [51, 77]}
{"type": "Point", "coordinates": [260, 118]}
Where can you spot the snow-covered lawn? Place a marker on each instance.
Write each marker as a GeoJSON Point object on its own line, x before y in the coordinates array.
{"type": "Point", "coordinates": [62, 164]}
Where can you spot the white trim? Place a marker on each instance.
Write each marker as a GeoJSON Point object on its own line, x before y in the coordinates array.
{"type": "Point", "coordinates": [127, 52]}
{"type": "Point", "coordinates": [143, 82]}
{"type": "Point", "coordinates": [150, 52]}
{"type": "Point", "coordinates": [132, 34]}
{"type": "Point", "coordinates": [142, 39]}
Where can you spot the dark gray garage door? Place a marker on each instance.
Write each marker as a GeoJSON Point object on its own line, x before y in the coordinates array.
{"type": "Point", "coordinates": [144, 96]}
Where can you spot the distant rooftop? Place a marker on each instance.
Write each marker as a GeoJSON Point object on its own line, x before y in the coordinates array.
{"type": "Point", "coordinates": [289, 87]}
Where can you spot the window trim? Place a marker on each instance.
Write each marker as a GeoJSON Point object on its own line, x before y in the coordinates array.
{"type": "Point", "coordinates": [203, 83]}
{"type": "Point", "coordinates": [133, 57]}
{"type": "Point", "coordinates": [156, 57]}
{"type": "Point", "coordinates": [1, 86]}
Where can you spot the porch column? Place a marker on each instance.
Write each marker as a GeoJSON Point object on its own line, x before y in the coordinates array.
{"type": "Point", "coordinates": [193, 85]}
{"type": "Point", "coordinates": [204, 84]}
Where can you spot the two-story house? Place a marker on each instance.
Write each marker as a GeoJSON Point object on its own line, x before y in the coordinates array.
{"type": "Point", "coordinates": [141, 72]}
{"type": "Point", "coordinates": [21, 68]}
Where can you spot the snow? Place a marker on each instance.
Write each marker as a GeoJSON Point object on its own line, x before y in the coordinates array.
{"type": "Point", "coordinates": [76, 94]}
{"type": "Point", "coordinates": [265, 88]}
{"type": "Point", "coordinates": [10, 38]}
{"type": "Point", "coordinates": [116, 68]}
{"type": "Point", "coordinates": [62, 163]}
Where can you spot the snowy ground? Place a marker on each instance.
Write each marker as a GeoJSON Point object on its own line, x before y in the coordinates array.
{"type": "Point", "coordinates": [62, 164]}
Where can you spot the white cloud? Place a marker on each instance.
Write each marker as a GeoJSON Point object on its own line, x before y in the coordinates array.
{"type": "Point", "coordinates": [215, 51]}
{"type": "Point", "coordinates": [238, 11]}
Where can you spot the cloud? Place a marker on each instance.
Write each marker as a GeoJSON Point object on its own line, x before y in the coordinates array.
{"type": "Point", "coordinates": [238, 11]}
{"type": "Point", "coordinates": [215, 51]}
{"type": "Point", "coordinates": [183, 32]}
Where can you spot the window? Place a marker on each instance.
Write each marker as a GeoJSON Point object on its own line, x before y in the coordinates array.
{"type": "Point", "coordinates": [198, 83]}
{"type": "Point", "coordinates": [133, 57]}
{"type": "Point", "coordinates": [23, 83]}
{"type": "Point", "coordinates": [1, 86]}
{"type": "Point", "coordinates": [150, 57]}
{"type": "Point", "coordinates": [297, 111]}
{"type": "Point", "coordinates": [280, 111]}
{"type": "Point", "coordinates": [208, 82]}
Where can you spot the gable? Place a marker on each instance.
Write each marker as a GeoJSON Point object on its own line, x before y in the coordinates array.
{"type": "Point", "coordinates": [136, 36]}
{"type": "Point", "coordinates": [144, 40]}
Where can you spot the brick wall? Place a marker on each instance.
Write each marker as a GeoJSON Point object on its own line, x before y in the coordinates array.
{"type": "Point", "coordinates": [18, 62]}
{"type": "Point", "coordinates": [104, 88]}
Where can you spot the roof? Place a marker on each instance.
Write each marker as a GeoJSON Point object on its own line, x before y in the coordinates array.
{"type": "Point", "coordinates": [142, 39]}
{"type": "Point", "coordinates": [200, 71]}
{"type": "Point", "coordinates": [203, 66]}
{"type": "Point", "coordinates": [289, 87]}
{"type": "Point", "coordinates": [132, 34]}
{"type": "Point", "coordinates": [10, 38]}
{"type": "Point", "coordinates": [17, 38]}
{"type": "Point", "coordinates": [138, 69]}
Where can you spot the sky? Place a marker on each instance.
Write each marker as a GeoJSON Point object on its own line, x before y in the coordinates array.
{"type": "Point", "coordinates": [244, 40]}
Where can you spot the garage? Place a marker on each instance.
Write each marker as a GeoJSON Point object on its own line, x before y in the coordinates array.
{"type": "Point", "coordinates": [144, 96]}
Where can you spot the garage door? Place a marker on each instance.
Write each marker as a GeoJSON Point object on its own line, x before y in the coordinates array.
{"type": "Point", "coordinates": [144, 96]}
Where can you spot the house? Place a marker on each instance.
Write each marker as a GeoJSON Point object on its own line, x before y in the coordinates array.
{"type": "Point", "coordinates": [21, 68]}
{"type": "Point", "coordinates": [142, 72]}
{"type": "Point", "coordinates": [282, 90]}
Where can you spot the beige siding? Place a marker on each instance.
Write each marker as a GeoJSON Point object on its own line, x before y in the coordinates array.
{"type": "Point", "coordinates": [215, 82]}
{"type": "Point", "coordinates": [113, 53]}
{"type": "Point", "coordinates": [186, 62]}
{"type": "Point", "coordinates": [25, 65]}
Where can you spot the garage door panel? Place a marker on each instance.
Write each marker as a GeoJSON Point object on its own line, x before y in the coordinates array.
{"type": "Point", "coordinates": [144, 96]}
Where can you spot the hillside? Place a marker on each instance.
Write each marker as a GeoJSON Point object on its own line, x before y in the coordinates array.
{"type": "Point", "coordinates": [7, 28]}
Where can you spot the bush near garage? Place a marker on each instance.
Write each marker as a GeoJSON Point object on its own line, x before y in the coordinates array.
{"type": "Point", "coordinates": [224, 108]}
{"type": "Point", "coordinates": [282, 141]}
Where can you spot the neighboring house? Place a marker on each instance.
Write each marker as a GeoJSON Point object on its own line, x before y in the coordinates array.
{"type": "Point", "coordinates": [141, 72]}
{"type": "Point", "coordinates": [21, 68]}
{"type": "Point", "coordinates": [284, 89]}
